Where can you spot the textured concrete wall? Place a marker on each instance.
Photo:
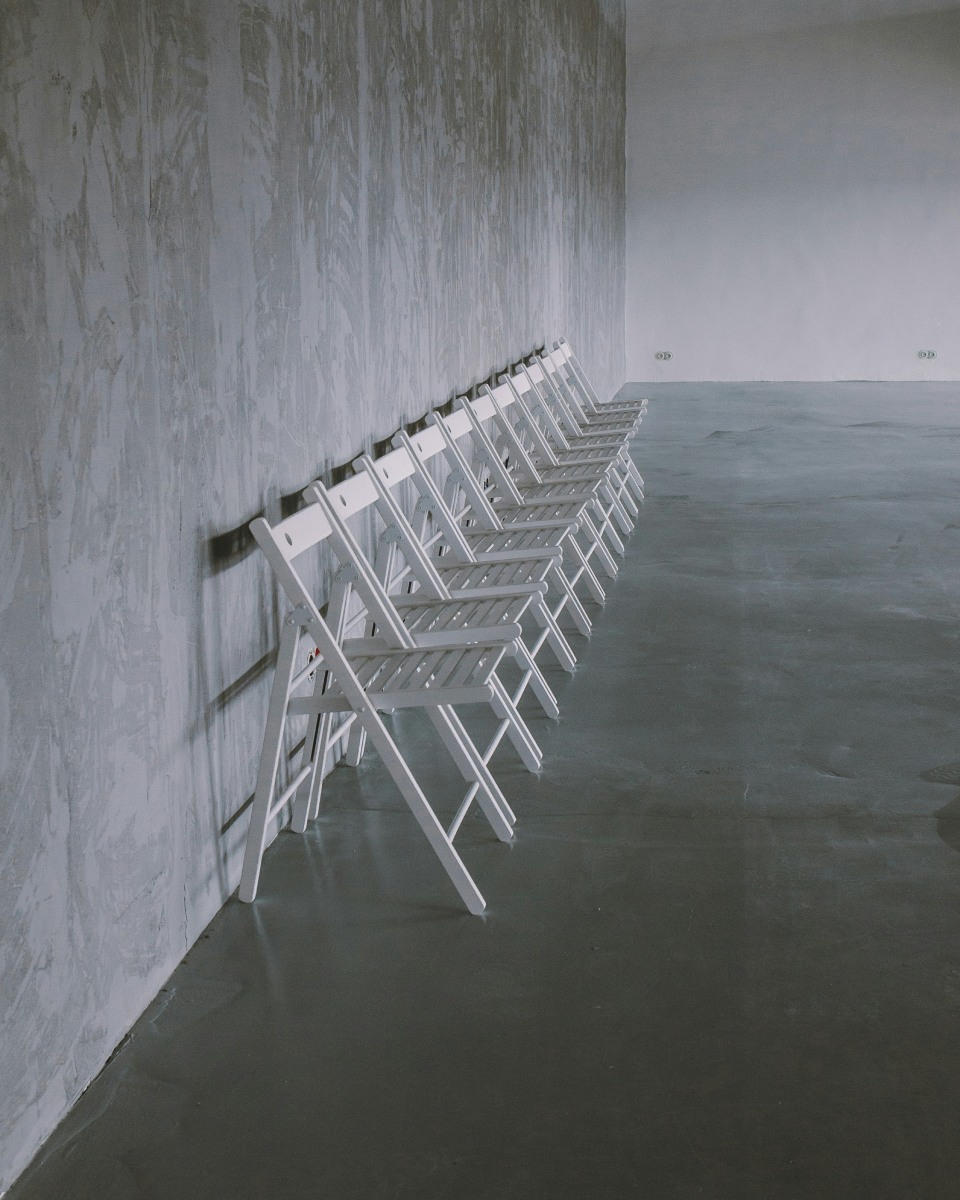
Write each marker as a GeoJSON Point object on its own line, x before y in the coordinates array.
{"type": "Point", "coordinates": [792, 205]}
{"type": "Point", "coordinates": [239, 243]}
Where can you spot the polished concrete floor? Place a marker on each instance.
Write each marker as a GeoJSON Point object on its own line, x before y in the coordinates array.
{"type": "Point", "coordinates": [722, 958]}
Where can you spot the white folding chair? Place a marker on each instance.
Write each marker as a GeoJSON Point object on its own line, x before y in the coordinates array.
{"type": "Point", "coordinates": [404, 559]}
{"type": "Point", "coordinates": [563, 425]}
{"type": "Point", "coordinates": [355, 681]}
{"type": "Point", "coordinates": [597, 410]}
{"type": "Point", "coordinates": [472, 526]}
{"type": "Point", "coordinates": [551, 376]}
{"type": "Point", "coordinates": [543, 454]}
{"type": "Point", "coordinates": [423, 620]}
{"type": "Point", "coordinates": [520, 494]}
{"type": "Point", "coordinates": [593, 402]}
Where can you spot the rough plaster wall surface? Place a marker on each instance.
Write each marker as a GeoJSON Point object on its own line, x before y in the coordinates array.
{"type": "Point", "coordinates": [240, 242]}
{"type": "Point", "coordinates": [792, 205]}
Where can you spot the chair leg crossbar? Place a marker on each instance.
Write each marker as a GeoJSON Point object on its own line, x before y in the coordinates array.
{"type": "Point", "coordinates": [521, 499]}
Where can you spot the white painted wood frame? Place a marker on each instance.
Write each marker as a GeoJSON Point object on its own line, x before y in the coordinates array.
{"type": "Point", "coordinates": [362, 678]}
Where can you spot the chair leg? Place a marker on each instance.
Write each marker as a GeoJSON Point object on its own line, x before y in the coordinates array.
{"type": "Point", "coordinates": [474, 770]}
{"type": "Point", "coordinates": [618, 510]}
{"type": "Point", "coordinates": [328, 738]}
{"type": "Point", "coordinates": [324, 727]}
{"type": "Point", "coordinates": [426, 818]}
{"type": "Point", "coordinates": [356, 745]}
{"type": "Point", "coordinates": [558, 643]}
{"type": "Point", "coordinates": [533, 676]}
{"type": "Point", "coordinates": [308, 798]}
{"type": "Point", "coordinates": [606, 515]}
{"type": "Point", "coordinates": [586, 572]}
{"type": "Point", "coordinates": [625, 492]}
{"type": "Point", "coordinates": [634, 476]}
{"type": "Point", "coordinates": [530, 753]}
{"type": "Point", "coordinates": [597, 545]}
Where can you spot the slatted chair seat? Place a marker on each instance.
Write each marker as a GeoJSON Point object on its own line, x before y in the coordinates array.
{"type": "Point", "coordinates": [526, 528]}
{"type": "Point", "coordinates": [556, 411]}
{"type": "Point", "coordinates": [395, 679]}
{"type": "Point", "coordinates": [403, 558]}
{"type": "Point", "coordinates": [568, 511]}
{"type": "Point", "coordinates": [347, 683]}
{"type": "Point", "coordinates": [485, 596]}
{"type": "Point", "coordinates": [583, 453]}
{"type": "Point", "coordinates": [476, 509]}
{"type": "Point", "coordinates": [557, 414]}
{"type": "Point", "coordinates": [567, 425]}
{"type": "Point", "coordinates": [602, 428]}
{"type": "Point", "coordinates": [439, 620]}
{"type": "Point", "coordinates": [534, 451]}
{"type": "Point", "coordinates": [472, 575]}
{"type": "Point", "coordinates": [521, 538]}
{"type": "Point", "coordinates": [569, 401]}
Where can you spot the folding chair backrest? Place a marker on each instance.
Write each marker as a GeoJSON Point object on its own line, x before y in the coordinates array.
{"type": "Point", "coordinates": [417, 451]}
{"type": "Point", "coordinates": [356, 571]}
{"type": "Point", "coordinates": [493, 458]}
{"type": "Point", "coordinates": [466, 493]}
{"type": "Point", "coordinates": [386, 475]}
{"type": "Point", "coordinates": [543, 430]}
{"type": "Point", "coordinates": [546, 382]}
{"type": "Point", "coordinates": [282, 544]}
{"type": "Point", "coordinates": [568, 362]}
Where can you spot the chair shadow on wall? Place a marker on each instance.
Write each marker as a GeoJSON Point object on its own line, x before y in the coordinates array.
{"type": "Point", "coordinates": [229, 566]}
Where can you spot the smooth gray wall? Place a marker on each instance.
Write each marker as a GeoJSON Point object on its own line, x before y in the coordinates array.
{"type": "Point", "coordinates": [239, 243]}
{"type": "Point", "coordinates": [792, 205]}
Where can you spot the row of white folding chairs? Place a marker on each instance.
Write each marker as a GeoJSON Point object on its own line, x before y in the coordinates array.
{"type": "Point", "coordinates": [522, 496]}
